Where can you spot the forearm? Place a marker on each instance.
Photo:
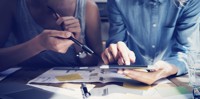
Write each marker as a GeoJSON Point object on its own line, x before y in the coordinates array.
{"type": "Point", "coordinates": [165, 69]}
{"type": "Point", "coordinates": [16, 54]}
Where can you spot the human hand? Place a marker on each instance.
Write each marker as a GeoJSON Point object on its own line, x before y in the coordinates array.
{"type": "Point", "coordinates": [54, 40]}
{"type": "Point", "coordinates": [119, 53]}
{"type": "Point", "coordinates": [70, 24]}
{"type": "Point", "coordinates": [162, 69]}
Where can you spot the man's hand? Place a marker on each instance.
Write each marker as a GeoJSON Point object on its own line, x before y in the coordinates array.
{"type": "Point", "coordinates": [162, 70]}
{"type": "Point", "coordinates": [70, 24]}
{"type": "Point", "coordinates": [119, 53]}
{"type": "Point", "coordinates": [54, 40]}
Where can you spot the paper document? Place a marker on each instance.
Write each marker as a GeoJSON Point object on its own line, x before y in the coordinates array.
{"type": "Point", "coordinates": [80, 75]}
{"type": "Point", "coordinates": [73, 90]}
{"type": "Point", "coordinates": [7, 72]}
{"type": "Point", "coordinates": [110, 89]}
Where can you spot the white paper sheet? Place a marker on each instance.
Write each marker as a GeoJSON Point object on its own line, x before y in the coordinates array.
{"type": "Point", "coordinates": [111, 89]}
{"type": "Point", "coordinates": [95, 75]}
{"type": "Point", "coordinates": [74, 92]}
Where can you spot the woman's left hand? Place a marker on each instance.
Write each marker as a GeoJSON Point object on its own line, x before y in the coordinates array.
{"type": "Point", "coordinates": [162, 69]}
{"type": "Point", "coordinates": [70, 24]}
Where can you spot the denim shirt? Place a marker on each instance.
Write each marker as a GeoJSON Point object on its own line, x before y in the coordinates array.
{"type": "Point", "coordinates": [156, 29]}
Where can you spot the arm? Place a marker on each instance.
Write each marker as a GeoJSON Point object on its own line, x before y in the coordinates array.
{"type": "Point", "coordinates": [13, 55]}
{"type": "Point", "coordinates": [117, 51]}
{"type": "Point", "coordinates": [93, 33]}
{"type": "Point", "coordinates": [187, 36]}
{"type": "Point", "coordinates": [117, 30]}
{"type": "Point", "coordinates": [45, 41]}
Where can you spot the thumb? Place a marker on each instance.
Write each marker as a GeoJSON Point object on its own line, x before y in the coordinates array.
{"type": "Point", "coordinates": [60, 34]}
{"type": "Point", "coordinates": [159, 65]}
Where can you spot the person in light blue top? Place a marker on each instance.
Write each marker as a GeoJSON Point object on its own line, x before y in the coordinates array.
{"type": "Point", "coordinates": [152, 32]}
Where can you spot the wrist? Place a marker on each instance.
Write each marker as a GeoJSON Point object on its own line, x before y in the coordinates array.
{"type": "Point", "coordinates": [35, 45]}
{"type": "Point", "coordinates": [165, 69]}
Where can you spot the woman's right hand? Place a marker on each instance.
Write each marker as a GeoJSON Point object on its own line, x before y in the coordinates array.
{"type": "Point", "coordinates": [54, 40]}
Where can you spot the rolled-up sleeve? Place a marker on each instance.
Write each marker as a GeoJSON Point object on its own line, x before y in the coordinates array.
{"type": "Point", "coordinates": [117, 30]}
{"type": "Point", "coordinates": [186, 35]}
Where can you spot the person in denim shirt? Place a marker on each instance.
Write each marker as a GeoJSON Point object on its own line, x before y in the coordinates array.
{"type": "Point", "coordinates": [152, 32]}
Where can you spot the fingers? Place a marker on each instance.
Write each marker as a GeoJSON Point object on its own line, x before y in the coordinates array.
{"type": "Point", "coordinates": [55, 40]}
{"type": "Point", "coordinates": [120, 71]}
{"type": "Point", "coordinates": [104, 58]}
{"type": "Point", "coordinates": [74, 30]}
{"type": "Point", "coordinates": [107, 56]}
{"type": "Point", "coordinates": [159, 65]}
{"type": "Point", "coordinates": [132, 56]}
{"type": "Point", "coordinates": [62, 19]}
{"type": "Point", "coordinates": [110, 54]}
{"type": "Point", "coordinates": [68, 22]}
{"type": "Point", "coordinates": [145, 77]}
{"type": "Point", "coordinates": [128, 73]}
{"type": "Point", "coordinates": [60, 34]}
{"type": "Point", "coordinates": [120, 61]}
{"type": "Point", "coordinates": [71, 23]}
{"type": "Point", "coordinates": [113, 49]}
{"type": "Point", "coordinates": [118, 53]}
{"type": "Point", "coordinates": [124, 52]}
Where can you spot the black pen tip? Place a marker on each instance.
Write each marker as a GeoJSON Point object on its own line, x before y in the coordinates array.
{"type": "Point", "coordinates": [87, 49]}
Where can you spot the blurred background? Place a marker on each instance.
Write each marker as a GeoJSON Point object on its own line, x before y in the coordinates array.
{"type": "Point", "coordinates": [104, 19]}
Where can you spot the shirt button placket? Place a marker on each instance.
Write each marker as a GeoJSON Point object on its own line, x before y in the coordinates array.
{"type": "Point", "coordinates": [153, 46]}
{"type": "Point", "coordinates": [154, 25]}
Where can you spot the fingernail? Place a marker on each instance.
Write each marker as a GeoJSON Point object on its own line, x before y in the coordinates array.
{"type": "Point", "coordinates": [126, 72]}
{"type": "Point", "coordinates": [120, 72]}
{"type": "Point", "coordinates": [127, 62]}
{"type": "Point", "coordinates": [119, 63]}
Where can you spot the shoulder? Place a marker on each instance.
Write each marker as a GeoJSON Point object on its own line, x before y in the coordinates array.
{"type": "Point", "coordinates": [91, 7]}
{"type": "Point", "coordinates": [90, 4]}
{"type": "Point", "coordinates": [92, 12]}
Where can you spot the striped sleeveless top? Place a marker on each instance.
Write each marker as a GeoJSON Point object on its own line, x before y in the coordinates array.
{"type": "Point", "coordinates": [27, 29]}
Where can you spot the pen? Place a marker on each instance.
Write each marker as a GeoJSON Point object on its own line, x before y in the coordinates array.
{"type": "Point", "coordinates": [84, 91]}
{"type": "Point", "coordinates": [84, 47]}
